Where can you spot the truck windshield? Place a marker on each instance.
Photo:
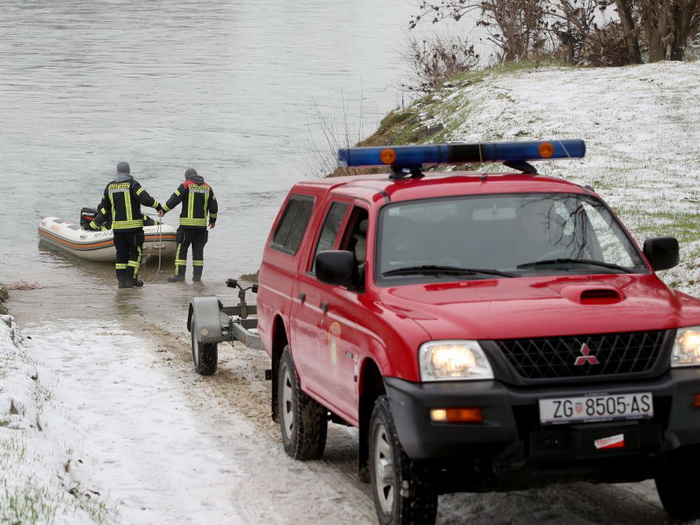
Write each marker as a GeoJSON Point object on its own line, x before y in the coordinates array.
{"type": "Point", "coordinates": [502, 235]}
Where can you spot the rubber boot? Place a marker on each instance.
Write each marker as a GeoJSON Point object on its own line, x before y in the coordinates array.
{"type": "Point", "coordinates": [179, 276]}
{"type": "Point", "coordinates": [197, 273]}
{"type": "Point", "coordinates": [138, 283]}
{"type": "Point", "coordinates": [122, 281]}
{"type": "Point", "coordinates": [128, 282]}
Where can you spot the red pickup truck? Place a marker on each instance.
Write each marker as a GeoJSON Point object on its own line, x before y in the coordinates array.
{"type": "Point", "coordinates": [484, 331]}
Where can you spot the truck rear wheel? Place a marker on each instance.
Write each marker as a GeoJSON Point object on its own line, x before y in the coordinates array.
{"type": "Point", "coordinates": [204, 355]}
{"type": "Point", "coordinates": [402, 489]}
{"type": "Point", "coordinates": [303, 421]}
{"type": "Point", "coordinates": [678, 485]}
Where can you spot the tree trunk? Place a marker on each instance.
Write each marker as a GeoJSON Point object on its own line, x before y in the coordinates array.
{"type": "Point", "coordinates": [634, 53]}
{"type": "Point", "coordinates": [677, 52]}
{"type": "Point", "coordinates": [657, 48]}
{"type": "Point", "coordinates": [658, 23]}
{"type": "Point", "coordinates": [686, 17]}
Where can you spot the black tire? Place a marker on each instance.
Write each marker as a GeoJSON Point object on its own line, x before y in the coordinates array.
{"type": "Point", "coordinates": [303, 421]}
{"type": "Point", "coordinates": [678, 485]}
{"type": "Point", "coordinates": [204, 355]}
{"type": "Point", "coordinates": [403, 490]}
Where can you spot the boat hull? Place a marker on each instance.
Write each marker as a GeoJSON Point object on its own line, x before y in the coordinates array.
{"type": "Point", "coordinates": [99, 245]}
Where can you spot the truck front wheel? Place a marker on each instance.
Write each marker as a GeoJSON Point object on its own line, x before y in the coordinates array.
{"type": "Point", "coordinates": [678, 485]}
{"type": "Point", "coordinates": [402, 489]}
{"type": "Point", "coordinates": [303, 421]}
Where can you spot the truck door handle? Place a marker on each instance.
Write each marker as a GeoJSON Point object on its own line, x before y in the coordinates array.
{"type": "Point", "coordinates": [302, 297]}
{"type": "Point", "coordinates": [324, 306]}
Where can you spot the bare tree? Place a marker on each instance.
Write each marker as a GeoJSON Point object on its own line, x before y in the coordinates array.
{"type": "Point", "coordinates": [686, 23]}
{"type": "Point", "coordinates": [435, 59]}
{"type": "Point", "coordinates": [663, 27]}
{"type": "Point", "coordinates": [435, 11]}
{"type": "Point", "coordinates": [577, 25]}
{"type": "Point", "coordinates": [517, 28]}
{"type": "Point", "coordinates": [531, 29]}
{"type": "Point", "coordinates": [626, 12]}
{"type": "Point", "coordinates": [514, 27]}
{"type": "Point", "coordinates": [657, 24]}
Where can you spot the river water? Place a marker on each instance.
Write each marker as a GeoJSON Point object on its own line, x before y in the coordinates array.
{"type": "Point", "coordinates": [239, 89]}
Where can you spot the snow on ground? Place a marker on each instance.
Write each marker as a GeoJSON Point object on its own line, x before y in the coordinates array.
{"type": "Point", "coordinates": [104, 400]}
{"type": "Point", "coordinates": [36, 442]}
{"type": "Point", "coordinates": [135, 443]}
{"type": "Point", "coordinates": [641, 125]}
{"type": "Point", "coordinates": [101, 425]}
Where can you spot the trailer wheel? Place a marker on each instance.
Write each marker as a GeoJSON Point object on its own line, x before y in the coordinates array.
{"type": "Point", "coordinates": [204, 355]}
{"type": "Point", "coordinates": [678, 485]}
{"type": "Point", "coordinates": [402, 489]}
{"type": "Point", "coordinates": [303, 421]}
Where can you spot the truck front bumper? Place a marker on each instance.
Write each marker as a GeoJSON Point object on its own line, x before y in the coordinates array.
{"type": "Point", "coordinates": [511, 428]}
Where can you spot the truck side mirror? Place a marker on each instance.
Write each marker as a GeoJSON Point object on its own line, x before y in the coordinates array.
{"type": "Point", "coordinates": [335, 267]}
{"type": "Point", "coordinates": [661, 252]}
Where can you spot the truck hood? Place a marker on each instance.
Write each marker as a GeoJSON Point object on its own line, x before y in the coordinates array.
{"type": "Point", "coordinates": [542, 307]}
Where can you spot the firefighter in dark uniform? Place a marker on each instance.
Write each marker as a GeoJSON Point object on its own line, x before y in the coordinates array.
{"type": "Point", "coordinates": [121, 204]}
{"type": "Point", "coordinates": [198, 201]}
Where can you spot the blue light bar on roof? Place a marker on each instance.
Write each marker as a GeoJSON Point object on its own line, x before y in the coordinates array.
{"type": "Point", "coordinates": [398, 156]}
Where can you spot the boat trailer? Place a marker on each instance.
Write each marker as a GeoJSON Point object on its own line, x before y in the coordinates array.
{"type": "Point", "coordinates": [210, 322]}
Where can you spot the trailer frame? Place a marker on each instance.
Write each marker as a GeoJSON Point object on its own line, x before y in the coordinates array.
{"type": "Point", "coordinates": [210, 322]}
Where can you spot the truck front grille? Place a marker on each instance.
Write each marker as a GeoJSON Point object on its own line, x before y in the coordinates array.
{"type": "Point", "coordinates": [583, 355]}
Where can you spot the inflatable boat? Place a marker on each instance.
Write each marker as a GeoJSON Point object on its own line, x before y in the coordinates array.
{"type": "Point", "coordinates": [98, 245]}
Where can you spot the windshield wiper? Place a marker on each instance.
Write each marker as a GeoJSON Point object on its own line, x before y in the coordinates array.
{"type": "Point", "coordinates": [588, 262]}
{"type": "Point", "coordinates": [433, 269]}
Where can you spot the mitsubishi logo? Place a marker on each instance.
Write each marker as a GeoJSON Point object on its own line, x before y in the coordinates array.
{"type": "Point", "coordinates": [585, 357]}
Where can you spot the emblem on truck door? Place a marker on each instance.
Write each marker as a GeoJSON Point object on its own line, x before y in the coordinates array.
{"type": "Point", "coordinates": [334, 343]}
{"type": "Point", "coordinates": [585, 357]}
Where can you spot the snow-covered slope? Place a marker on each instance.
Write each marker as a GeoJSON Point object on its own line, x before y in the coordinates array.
{"type": "Point", "coordinates": [641, 126]}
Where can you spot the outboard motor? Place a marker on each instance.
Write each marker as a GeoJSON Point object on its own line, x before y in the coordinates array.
{"type": "Point", "coordinates": [87, 215]}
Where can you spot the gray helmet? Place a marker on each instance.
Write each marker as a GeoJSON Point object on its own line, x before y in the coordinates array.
{"type": "Point", "coordinates": [189, 172]}
{"type": "Point", "coordinates": [123, 167]}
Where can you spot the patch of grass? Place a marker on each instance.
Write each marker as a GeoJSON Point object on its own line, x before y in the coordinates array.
{"type": "Point", "coordinates": [654, 222]}
{"type": "Point", "coordinates": [250, 277]}
{"type": "Point", "coordinates": [600, 185]}
{"type": "Point", "coordinates": [32, 501]}
{"type": "Point", "coordinates": [398, 127]}
{"type": "Point", "coordinates": [28, 504]}
{"type": "Point", "coordinates": [523, 65]}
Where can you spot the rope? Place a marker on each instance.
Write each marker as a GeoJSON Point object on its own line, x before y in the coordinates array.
{"type": "Point", "coordinates": [160, 251]}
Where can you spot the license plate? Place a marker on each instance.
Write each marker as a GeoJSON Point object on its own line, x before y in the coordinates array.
{"type": "Point", "coordinates": [596, 408]}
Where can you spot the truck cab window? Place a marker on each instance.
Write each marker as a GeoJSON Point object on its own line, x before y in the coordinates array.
{"type": "Point", "coordinates": [355, 240]}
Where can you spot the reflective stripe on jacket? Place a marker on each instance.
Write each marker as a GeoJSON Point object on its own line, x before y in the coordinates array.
{"type": "Point", "coordinates": [198, 201]}
{"type": "Point", "coordinates": [122, 202]}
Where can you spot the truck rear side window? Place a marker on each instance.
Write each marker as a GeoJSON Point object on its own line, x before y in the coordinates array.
{"type": "Point", "coordinates": [331, 227]}
{"type": "Point", "coordinates": [292, 225]}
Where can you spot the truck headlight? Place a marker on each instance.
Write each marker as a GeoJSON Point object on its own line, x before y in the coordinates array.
{"type": "Point", "coordinates": [453, 361]}
{"type": "Point", "coordinates": [686, 350]}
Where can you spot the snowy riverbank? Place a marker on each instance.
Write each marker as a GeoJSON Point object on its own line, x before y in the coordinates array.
{"type": "Point", "coordinates": [38, 444]}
